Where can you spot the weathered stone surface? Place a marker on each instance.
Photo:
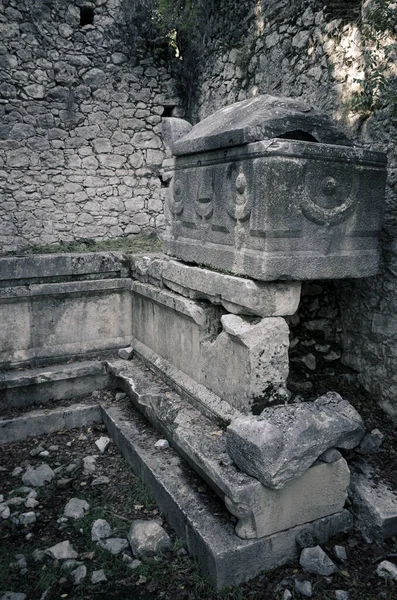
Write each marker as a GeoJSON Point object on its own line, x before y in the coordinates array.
{"type": "Point", "coordinates": [226, 559]}
{"type": "Point", "coordinates": [13, 596]}
{"type": "Point", "coordinates": [126, 353]}
{"type": "Point", "coordinates": [341, 595]}
{"type": "Point", "coordinates": [38, 476]}
{"type": "Point", "coordinates": [375, 504]}
{"type": "Point", "coordinates": [216, 215]}
{"type": "Point", "coordinates": [62, 551]}
{"type": "Point", "coordinates": [237, 295]}
{"type": "Point", "coordinates": [148, 538]}
{"type": "Point", "coordinates": [27, 518]}
{"type": "Point", "coordinates": [315, 560]}
{"type": "Point", "coordinates": [284, 441]}
{"type": "Point", "coordinates": [247, 363]}
{"type": "Point", "coordinates": [76, 508]}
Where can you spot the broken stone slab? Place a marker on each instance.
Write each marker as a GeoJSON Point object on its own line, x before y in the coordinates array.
{"type": "Point", "coordinates": [38, 476]}
{"type": "Point", "coordinates": [148, 538]}
{"type": "Point", "coordinates": [76, 508]}
{"type": "Point", "coordinates": [284, 441]}
{"type": "Point", "coordinates": [374, 502]}
{"type": "Point", "coordinates": [62, 551]}
{"type": "Point", "coordinates": [208, 532]}
{"type": "Point", "coordinates": [315, 560]}
{"type": "Point", "coordinates": [236, 294]}
{"type": "Point", "coordinates": [247, 363]}
{"type": "Point", "coordinates": [126, 353]}
{"type": "Point", "coordinates": [261, 511]}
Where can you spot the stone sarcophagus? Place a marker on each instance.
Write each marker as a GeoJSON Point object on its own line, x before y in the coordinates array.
{"type": "Point", "coordinates": [270, 189]}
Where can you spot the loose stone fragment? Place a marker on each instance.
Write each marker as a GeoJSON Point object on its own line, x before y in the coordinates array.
{"type": "Point", "coordinates": [70, 564]}
{"type": "Point", "coordinates": [287, 595]}
{"type": "Point", "coordinates": [387, 569]}
{"type": "Point", "coordinates": [120, 396]}
{"type": "Point", "coordinates": [126, 353]}
{"type": "Point", "coordinates": [340, 553]}
{"type": "Point", "coordinates": [341, 595]}
{"type": "Point", "coordinates": [315, 560]}
{"type": "Point", "coordinates": [79, 574]}
{"type": "Point", "coordinates": [329, 456]}
{"type": "Point", "coordinates": [38, 476]}
{"type": "Point", "coordinates": [134, 564]}
{"type": "Point", "coordinates": [17, 471]}
{"type": "Point", "coordinates": [38, 555]}
{"type": "Point", "coordinates": [76, 508]}
{"type": "Point", "coordinates": [114, 545]}
{"type": "Point", "coordinates": [303, 588]}
{"type": "Point", "coordinates": [102, 480]}
{"type": "Point", "coordinates": [162, 444]}
{"type": "Point", "coordinates": [13, 596]}
{"type": "Point", "coordinates": [284, 441]}
{"type": "Point", "coordinates": [36, 451]}
{"type": "Point", "coordinates": [371, 442]}
{"type": "Point", "coordinates": [98, 576]}
{"type": "Point", "coordinates": [148, 538]}
{"type": "Point", "coordinates": [100, 529]}
{"type": "Point", "coordinates": [89, 463]}
{"type": "Point", "coordinates": [375, 504]}
{"type": "Point", "coordinates": [27, 518]}
{"type": "Point", "coordinates": [62, 551]}
{"type": "Point", "coordinates": [31, 503]}
{"type": "Point", "coordinates": [102, 443]}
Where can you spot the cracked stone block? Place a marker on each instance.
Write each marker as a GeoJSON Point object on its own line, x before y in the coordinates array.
{"type": "Point", "coordinates": [284, 441]}
{"type": "Point", "coordinates": [247, 363]}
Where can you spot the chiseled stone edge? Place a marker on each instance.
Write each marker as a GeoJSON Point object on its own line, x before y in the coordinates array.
{"type": "Point", "coordinates": [223, 557]}
{"type": "Point", "coordinates": [198, 395]}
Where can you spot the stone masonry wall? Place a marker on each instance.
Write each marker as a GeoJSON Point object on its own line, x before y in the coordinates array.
{"type": "Point", "coordinates": [80, 119]}
{"type": "Point", "coordinates": [306, 50]}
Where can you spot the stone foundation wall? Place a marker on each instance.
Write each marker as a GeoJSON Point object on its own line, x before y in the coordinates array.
{"type": "Point", "coordinates": [80, 121]}
{"type": "Point", "coordinates": [312, 52]}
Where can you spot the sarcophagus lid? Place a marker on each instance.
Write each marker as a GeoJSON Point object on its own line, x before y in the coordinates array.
{"type": "Point", "coordinates": [271, 189]}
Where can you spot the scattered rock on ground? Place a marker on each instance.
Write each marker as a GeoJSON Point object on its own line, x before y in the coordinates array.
{"type": "Point", "coordinates": [341, 595]}
{"type": "Point", "coordinates": [102, 443]}
{"type": "Point", "coordinates": [148, 538]}
{"type": "Point", "coordinates": [315, 560]}
{"type": "Point", "coordinates": [62, 551]}
{"type": "Point", "coordinates": [13, 596]}
{"type": "Point", "coordinates": [371, 442]}
{"type": "Point", "coordinates": [76, 508]}
{"type": "Point", "coordinates": [114, 545]}
{"type": "Point", "coordinates": [79, 574]}
{"type": "Point", "coordinates": [340, 553]}
{"type": "Point", "coordinates": [98, 576]}
{"type": "Point", "coordinates": [161, 444]}
{"type": "Point", "coordinates": [287, 595]}
{"type": "Point", "coordinates": [102, 480]}
{"type": "Point", "coordinates": [38, 476]}
{"type": "Point", "coordinates": [100, 530]}
{"type": "Point", "coordinates": [387, 569]}
{"type": "Point", "coordinates": [89, 463]}
{"type": "Point", "coordinates": [303, 587]}
{"type": "Point", "coordinates": [4, 511]}
{"type": "Point", "coordinates": [27, 518]}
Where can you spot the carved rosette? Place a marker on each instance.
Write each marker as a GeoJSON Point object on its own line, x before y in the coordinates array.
{"type": "Point", "coordinates": [331, 195]}
{"type": "Point", "coordinates": [239, 204]}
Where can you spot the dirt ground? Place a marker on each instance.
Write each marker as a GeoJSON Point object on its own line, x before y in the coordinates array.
{"type": "Point", "coordinates": [172, 575]}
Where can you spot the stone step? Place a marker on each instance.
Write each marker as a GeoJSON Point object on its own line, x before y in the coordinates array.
{"type": "Point", "coordinates": [198, 518]}
{"type": "Point", "coordinates": [320, 491]}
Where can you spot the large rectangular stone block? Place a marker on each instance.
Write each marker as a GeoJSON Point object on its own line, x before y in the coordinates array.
{"type": "Point", "coordinates": [268, 189]}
